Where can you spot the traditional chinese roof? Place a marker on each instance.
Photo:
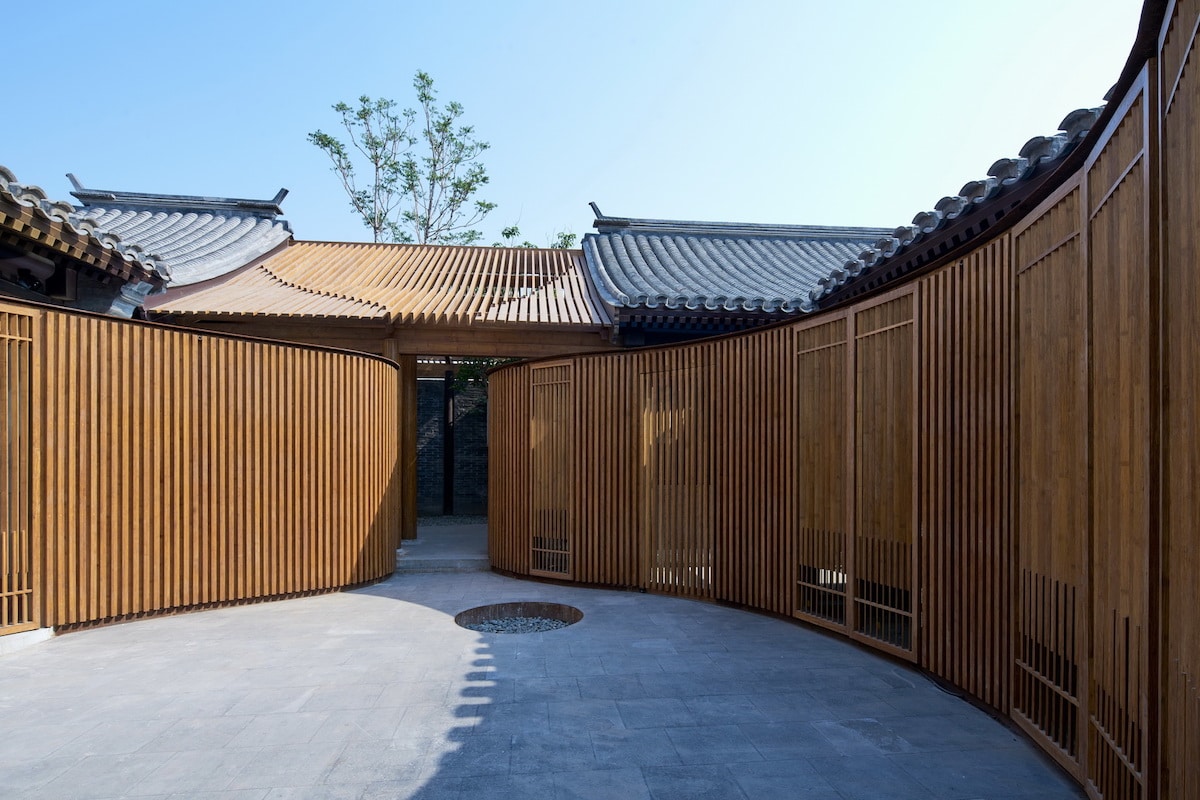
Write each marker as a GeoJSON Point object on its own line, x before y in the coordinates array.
{"type": "Point", "coordinates": [956, 219]}
{"type": "Point", "coordinates": [406, 284]}
{"type": "Point", "coordinates": [56, 230]}
{"type": "Point", "coordinates": [643, 265]}
{"type": "Point", "coordinates": [196, 238]}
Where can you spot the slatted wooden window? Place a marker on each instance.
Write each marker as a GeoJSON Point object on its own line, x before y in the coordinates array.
{"type": "Point", "coordinates": [677, 481]}
{"type": "Point", "coordinates": [1123, 420]}
{"type": "Point", "coordinates": [1052, 484]}
{"type": "Point", "coordinates": [18, 560]}
{"type": "Point", "coordinates": [821, 412]}
{"type": "Point", "coordinates": [883, 559]}
{"type": "Point", "coordinates": [552, 459]}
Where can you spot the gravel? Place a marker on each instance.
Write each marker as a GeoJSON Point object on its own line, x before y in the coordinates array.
{"type": "Point", "coordinates": [517, 625]}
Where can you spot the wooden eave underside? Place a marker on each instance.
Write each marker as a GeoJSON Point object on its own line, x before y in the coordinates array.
{"type": "Point", "coordinates": [24, 229]}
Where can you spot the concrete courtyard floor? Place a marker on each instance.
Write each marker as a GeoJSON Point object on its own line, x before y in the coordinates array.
{"type": "Point", "coordinates": [376, 693]}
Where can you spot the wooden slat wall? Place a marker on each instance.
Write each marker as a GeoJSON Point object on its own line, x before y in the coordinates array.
{"type": "Point", "coordinates": [677, 487]}
{"type": "Point", "coordinates": [883, 548]}
{"type": "Point", "coordinates": [552, 470]}
{"type": "Point", "coordinates": [994, 470]}
{"type": "Point", "coordinates": [508, 469]}
{"type": "Point", "coordinates": [1051, 451]}
{"type": "Point", "coordinates": [1123, 425]}
{"type": "Point", "coordinates": [608, 428]}
{"type": "Point", "coordinates": [18, 565]}
{"type": "Point", "coordinates": [178, 469]}
{"type": "Point", "coordinates": [821, 410]}
{"type": "Point", "coordinates": [964, 497]}
{"type": "Point", "coordinates": [1180, 331]}
{"type": "Point", "coordinates": [753, 442]}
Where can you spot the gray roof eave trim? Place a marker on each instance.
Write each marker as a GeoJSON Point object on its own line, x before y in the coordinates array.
{"type": "Point", "coordinates": [175, 202]}
{"type": "Point", "coordinates": [604, 224]}
{"type": "Point", "coordinates": [1006, 176]}
{"type": "Point", "coordinates": [34, 197]}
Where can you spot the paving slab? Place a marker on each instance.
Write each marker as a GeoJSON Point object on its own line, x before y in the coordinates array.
{"type": "Point", "coordinates": [376, 693]}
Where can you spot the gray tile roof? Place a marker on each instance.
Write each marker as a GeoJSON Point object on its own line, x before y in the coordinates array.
{"type": "Point", "coordinates": [196, 238]}
{"type": "Point", "coordinates": [83, 224]}
{"type": "Point", "coordinates": [1035, 159]}
{"type": "Point", "coordinates": [715, 266]}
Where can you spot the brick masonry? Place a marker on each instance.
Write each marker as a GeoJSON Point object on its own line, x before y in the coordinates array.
{"type": "Point", "coordinates": [470, 449]}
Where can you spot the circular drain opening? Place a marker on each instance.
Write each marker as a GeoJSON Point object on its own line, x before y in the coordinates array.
{"type": "Point", "coordinates": [524, 617]}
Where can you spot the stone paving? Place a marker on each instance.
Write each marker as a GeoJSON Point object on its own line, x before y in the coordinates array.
{"type": "Point", "coordinates": [376, 693]}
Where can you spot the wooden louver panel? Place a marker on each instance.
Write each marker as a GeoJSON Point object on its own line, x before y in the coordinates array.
{"type": "Point", "coordinates": [822, 406]}
{"type": "Point", "coordinates": [884, 545]}
{"type": "Point", "coordinates": [677, 482]}
{"type": "Point", "coordinates": [1121, 377]}
{"type": "Point", "coordinates": [552, 460]}
{"type": "Point", "coordinates": [1052, 488]}
{"type": "Point", "coordinates": [964, 496]}
{"type": "Point", "coordinates": [17, 565]}
{"type": "Point", "coordinates": [1180, 431]}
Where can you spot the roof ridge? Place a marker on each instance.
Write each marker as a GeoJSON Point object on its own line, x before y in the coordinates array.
{"type": "Point", "coordinates": [606, 224]}
{"type": "Point", "coordinates": [107, 197]}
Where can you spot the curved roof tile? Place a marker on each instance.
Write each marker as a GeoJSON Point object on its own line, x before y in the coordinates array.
{"type": "Point", "coordinates": [130, 252]}
{"type": "Point", "coordinates": [1002, 174]}
{"type": "Point", "coordinates": [716, 266]}
{"type": "Point", "coordinates": [197, 238]}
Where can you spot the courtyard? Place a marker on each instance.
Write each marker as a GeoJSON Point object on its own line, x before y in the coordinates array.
{"type": "Point", "coordinates": [377, 693]}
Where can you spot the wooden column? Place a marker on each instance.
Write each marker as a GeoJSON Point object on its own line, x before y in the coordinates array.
{"type": "Point", "coordinates": [408, 438]}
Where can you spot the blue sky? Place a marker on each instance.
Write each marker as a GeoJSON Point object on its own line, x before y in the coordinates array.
{"type": "Point", "coordinates": [850, 113]}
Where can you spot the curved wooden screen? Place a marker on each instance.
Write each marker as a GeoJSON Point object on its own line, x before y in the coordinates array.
{"type": "Point", "coordinates": [552, 473]}
{"type": "Point", "coordinates": [883, 547]}
{"type": "Point", "coordinates": [1051, 454]}
{"type": "Point", "coordinates": [992, 470]}
{"type": "Point", "coordinates": [176, 469]}
{"type": "Point", "coordinates": [18, 565]}
{"type": "Point", "coordinates": [677, 477]}
{"type": "Point", "coordinates": [822, 414]}
{"type": "Point", "coordinates": [1178, 301]}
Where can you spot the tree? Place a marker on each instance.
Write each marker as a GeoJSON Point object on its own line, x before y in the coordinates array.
{"type": "Point", "coordinates": [423, 165]}
{"type": "Point", "coordinates": [561, 241]}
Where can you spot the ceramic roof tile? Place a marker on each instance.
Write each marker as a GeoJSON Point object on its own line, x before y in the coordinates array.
{"type": "Point", "coordinates": [197, 238]}
{"type": "Point", "coordinates": [715, 266]}
{"type": "Point", "coordinates": [975, 195]}
{"type": "Point", "coordinates": [125, 257]}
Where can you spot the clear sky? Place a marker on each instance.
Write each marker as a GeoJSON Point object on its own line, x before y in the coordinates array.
{"type": "Point", "coordinates": [859, 112]}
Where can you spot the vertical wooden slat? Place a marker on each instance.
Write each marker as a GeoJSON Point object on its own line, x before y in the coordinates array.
{"type": "Point", "coordinates": [18, 560]}
{"type": "Point", "coordinates": [166, 475]}
{"type": "Point", "coordinates": [1178, 642]}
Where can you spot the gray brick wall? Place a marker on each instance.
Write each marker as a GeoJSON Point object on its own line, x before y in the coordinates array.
{"type": "Point", "coordinates": [470, 449]}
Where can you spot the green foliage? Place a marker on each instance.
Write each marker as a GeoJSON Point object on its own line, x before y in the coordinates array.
{"type": "Point", "coordinates": [423, 168]}
{"type": "Point", "coordinates": [508, 238]}
{"type": "Point", "coordinates": [474, 370]}
{"type": "Point", "coordinates": [561, 241]}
